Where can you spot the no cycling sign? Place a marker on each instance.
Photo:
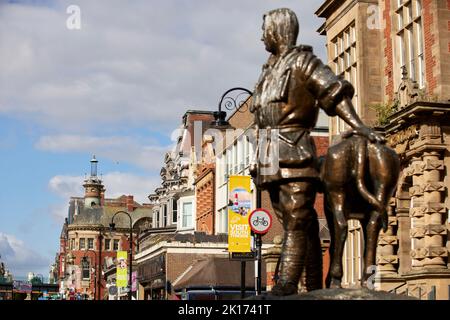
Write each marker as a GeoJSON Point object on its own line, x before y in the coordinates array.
{"type": "Point", "coordinates": [260, 221]}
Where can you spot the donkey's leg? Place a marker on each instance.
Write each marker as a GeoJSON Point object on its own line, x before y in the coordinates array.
{"type": "Point", "coordinates": [371, 240]}
{"type": "Point", "coordinates": [337, 203]}
{"type": "Point", "coordinates": [373, 228]}
{"type": "Point", "coordinates": [331, 228]}
{"type": "Point", "coordinates": [364, 223]}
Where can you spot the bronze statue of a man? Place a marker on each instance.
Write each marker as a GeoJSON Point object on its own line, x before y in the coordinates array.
{"type": "Point", "coordinates": [293, 85]}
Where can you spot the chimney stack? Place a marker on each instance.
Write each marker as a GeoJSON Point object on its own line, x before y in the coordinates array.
{"type": "Point", "coordinates": [130, 203]}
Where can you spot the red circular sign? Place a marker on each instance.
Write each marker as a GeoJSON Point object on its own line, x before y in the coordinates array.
{"type": "Point", "coordinates": [260, 221]}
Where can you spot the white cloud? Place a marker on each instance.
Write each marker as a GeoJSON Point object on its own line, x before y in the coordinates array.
{"type": "Point", "coordinates": [139, 63]}
{"type": "Point", "coordinates": [19, 258]}
{"type": "Point", "coordinates": [116, 183]}
{"type": "Point", "coordinates": [115, 148]}
{"type": "Point", "coordinates": [66, 186]}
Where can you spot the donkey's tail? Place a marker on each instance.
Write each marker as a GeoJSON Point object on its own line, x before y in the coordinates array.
{"type": "Point", "coordinates": [361, 166]}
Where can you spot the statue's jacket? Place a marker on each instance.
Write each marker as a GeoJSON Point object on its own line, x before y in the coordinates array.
{"type": "Point", "coordinates": [286, 99]}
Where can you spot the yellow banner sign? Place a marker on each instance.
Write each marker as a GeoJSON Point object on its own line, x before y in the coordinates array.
{"type": "Point", "coordinates": [239, 207]}
{"type": "Point", "coordinates": [122, 268]}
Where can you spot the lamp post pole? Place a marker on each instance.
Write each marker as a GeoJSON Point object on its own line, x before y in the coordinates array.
{"type": "Point", "coordinates": [234, 99]}
{"type": "Point", "coordinates": [95, 269]}
{"type": "Point", "coordinates": [112, 226]}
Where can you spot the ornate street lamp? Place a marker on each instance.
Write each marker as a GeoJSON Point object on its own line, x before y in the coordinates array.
{"type": "Point", "coordinates": [232, 99]}
{"type": "Point", "coordinates": [112, 227]}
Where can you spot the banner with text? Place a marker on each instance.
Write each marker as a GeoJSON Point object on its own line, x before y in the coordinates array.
{"type": "Point", "coordinates": [239, 206]}
{"type": "Point", "coordinates": [122, 268]}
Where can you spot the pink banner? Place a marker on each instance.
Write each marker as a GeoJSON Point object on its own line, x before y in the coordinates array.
{"type": "Point", "coordinates": [77, 278]}
{"type": "Point", "coordinates": [133, 281]}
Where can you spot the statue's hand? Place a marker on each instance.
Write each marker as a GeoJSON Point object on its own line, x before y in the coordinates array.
{"type": "Point", "coordinates": [371, 134]}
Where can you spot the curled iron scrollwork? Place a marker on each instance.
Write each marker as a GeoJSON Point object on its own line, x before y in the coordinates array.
{"type": "Point", "coordinates": [235, 99]}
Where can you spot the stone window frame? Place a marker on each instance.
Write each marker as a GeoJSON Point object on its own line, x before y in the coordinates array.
{"type": "Point", "coordinates": [229, 162]}
{"type": "Point", "coordinates": [107, 244]}
{"type": "Point", "coordinates": [247, 152]}
{"type": "Point", "coordinates": [82, 244]}
{"type": "Point", "coordinates": [116, 241]}
{"type": "Point", "coordinates": [353, 254]}
{"type": "Point", "coordinates": [188, 200]}
{"type": "Point", "coordinates": [243, 153]}
{"type": "Point", "coordinates": [344, 62]}
{"type": "Point", "coordinates": [185, 223]}
{"type": "Point", "coordinates": [235, 158]}
{"type": "Point", "coordinates": [164, 214]}
{"type": "Point", "coordinates": [410, 41]}
{"type": "Point", "coordinates": [89, 242]}
{"type": "Point", "coordinates": [224, 168]}
{"type": "Point", "coordinates": [222, 220]}
{"type": "Point", "coordinates": [155, 220]}
{"type": "Point", "coordinates": [85, 268]}
{"type": "Point", "coordinates": [174, 209]}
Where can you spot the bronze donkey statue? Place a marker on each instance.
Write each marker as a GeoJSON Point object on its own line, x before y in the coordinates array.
{"type": "Point", "coordinates": [359, 178]}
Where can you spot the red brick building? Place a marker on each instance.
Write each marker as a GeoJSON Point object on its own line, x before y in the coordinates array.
{"type": "Point", "coordinates": [396, 53]}
{"type": "Point", "coordinates": [86, 241]}
{"type": "Point", "coordinates": [205, 188]}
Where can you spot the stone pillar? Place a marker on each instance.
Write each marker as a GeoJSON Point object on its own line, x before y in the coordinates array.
{"type": "Point", "coordinates": [387, 259]}
{"type": "Point", "coordinates": [434, 212]}
{"type": "Point", "coordinates": [271, 257]}
{"type": "Point", "coordinates": [416, 213]}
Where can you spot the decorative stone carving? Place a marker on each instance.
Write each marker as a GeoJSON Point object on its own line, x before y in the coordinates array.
{"type": "Point", "coordinates": [408, 91]}
{"type": "Point", "coordinates": [388, 240]}
{"type": "Point", "coordinates": [435, 207]}
{"type": "Point", "coordinates": [387, 259]}
{"type": "Point", "coordinates": [430, 131]}
{"type": "Point", "coordinates": [418, 253]}
{"type": "Point", "coordinates": [417, 212]}
{"type": "Point", "coordinates": [435, 229]}
{"type": "Point", "coordinates": [403, 136]}
{"type": "Point", "coordinates": [434, 165]}
{"type": "Point", "coordinates": [418, 232]}
{"type": "Point", "coordinates": [415, 191]}
{"type": "Point", "coordinates": [433, 186]}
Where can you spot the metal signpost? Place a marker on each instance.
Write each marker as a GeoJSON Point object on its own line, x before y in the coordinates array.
{"type": "Point", "coordinates": [260, 221]}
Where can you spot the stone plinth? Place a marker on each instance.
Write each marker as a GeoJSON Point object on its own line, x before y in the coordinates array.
{"type": "Point", "coordinates": [338, 294]}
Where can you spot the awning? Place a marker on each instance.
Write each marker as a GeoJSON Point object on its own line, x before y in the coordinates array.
{"type": "Point", "coordinates": [218, 272]}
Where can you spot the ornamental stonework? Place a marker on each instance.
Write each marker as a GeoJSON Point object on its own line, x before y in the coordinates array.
{"type": "Point", "coordinates": [388, 259]}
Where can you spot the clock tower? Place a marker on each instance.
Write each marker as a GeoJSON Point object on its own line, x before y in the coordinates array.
{"type": "Point", "coordinates": [93, 187]}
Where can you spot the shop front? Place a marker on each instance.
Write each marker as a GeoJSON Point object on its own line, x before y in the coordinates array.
{"type": "Point", "coordinates": [153, 278]}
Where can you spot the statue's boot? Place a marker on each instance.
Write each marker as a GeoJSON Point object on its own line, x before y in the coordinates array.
{"type": "Point", "coordinates": [291, 263]}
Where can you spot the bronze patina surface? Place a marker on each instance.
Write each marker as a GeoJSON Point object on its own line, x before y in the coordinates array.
{"type": "Point", "coordinates": [359, 178]}
{"type": "Point", "coordinates": [293, 86]}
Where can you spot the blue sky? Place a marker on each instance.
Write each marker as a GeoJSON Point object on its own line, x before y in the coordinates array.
{"type": "Point", "coordinates": [116, 88]}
